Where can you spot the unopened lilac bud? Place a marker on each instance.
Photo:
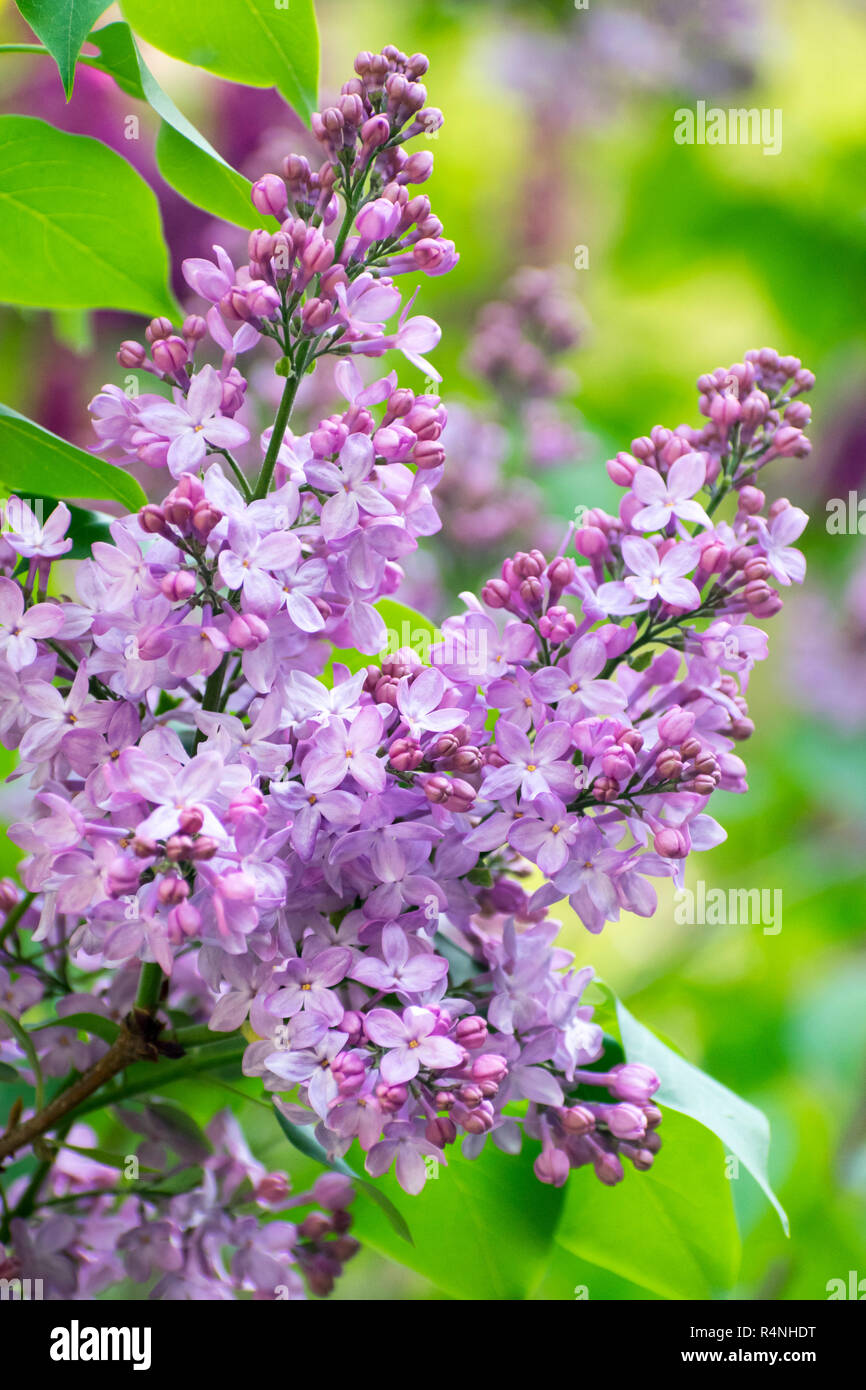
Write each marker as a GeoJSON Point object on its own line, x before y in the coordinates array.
{"type": "Point", "coordinates": [333, 1192]}
{"type": "Point", "coordinates": [272, 1189]}
{"type": "Point", "coordinates": [590, 541]}
{"type": "Point", "coordinates": [205, 847]}
{"type": "Point", "coordinates": [532, 593]}
{"type": "Point", "coordinates": [352, 1023]}
{"type": "Point", "coordinates": [9, 895]}
{"type": "Point", "coordinates": [428, 453]}
{"type": "Point", "coordinates": [184, 920]}
{"type": "Point", "coordinates": [405, 754]}
{"type": "Point", "coordinates": [315, 1226]}
{"type": "Point", "coordinates": [204, 518]}
{"type": "Point", "coordinates": [751, 499]}
{"type": "Point", "coordinates": [178, 586]}
{"type": "Point", "coordinates": [144, 848]}
{"type": "Point", "coordinates": [626, 1121]}
{"type": "Point", "coordinates": [158, 328]}
{"type": "Point", "coordinates": [633, 1082]}
{"type": "Point", "coordinates": [756, 568]}
{"type": "Point", "coordinates": [152, 520]}
{"type": "Point", "coordinates": [441, 1131]}
{"type": "Point", "coordinates": [471, 1032]}
{"type": "Point", "coordinates": [676, 724]}
{"type": "Point", "coordinates": [170, 355]}
{"type": "Point", "coordinates": [173, 890]}
{"type": "Point", "coordinates": [477, 1120]}
{"type": "Point", "coordinates": [669, 765]}
{"type": "Point", "coordinates": [194, 328]}
{"type": "Point", "coordinates": [122, 877]}
{"type": "Point", "coordinates": [608, 1168]}
{"type": "Point", "coordinates": [261, 246]}
{"type": "Point", "coordinates": [178, 847]}
{"type": "Point", "coordinates": [725, 410]}
{"type": "Point", "coordinates": [269, 196]}
{"type": "Point", "coordinates": [391, 1098]}
{"type": "Point", "coordinates": [247, 631]}
{"type": "Point", "coordinates": [349, 1072]}
{"type": "Point", "coordinates": [552, 1167]}
{"type": "Point", "coordinates": [131, 354]}
{"type": "Point", "coordinates": [467, 759]}
{"type": "Point", "coordinates": [489, 1067]}
{"type": "Point", "coordinates": [576, 1119]}
{"type": "Point", "coordinates": [670, 843]}
{"type": "Point", "coordinates": [621, 470]}
{"type": "Point", "coordinates": [462, 796]}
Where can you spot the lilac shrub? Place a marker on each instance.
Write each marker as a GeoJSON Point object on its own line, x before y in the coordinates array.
{"type": "Point", "coordinates": [343, 866]}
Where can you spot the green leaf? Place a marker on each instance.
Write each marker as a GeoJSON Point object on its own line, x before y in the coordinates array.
{"type": "Point", "coordinates": [62, 25]}
{"type": "Point", "coordinates": [25, 1042]}
{"type": "Point", "coordinates": [263, 43]}
{"type": "Point", "coordinates": [106, 1157]}
{"type": "Point", "coordinates": [31, 458]}
{"type": "Point", "coordinates": [742, 1128]}
{"type": "Point", "coordinates": [201, 180]}
{"type": "Point", "coordinates": [96, 1024]}
{"type": "Point", "coordinates": [8, 1074]}
{"type": "Point", "coordinates": [307, 1144]}
{"type": "Point", "coordinates": [182, 1124]}
{"type": "Point", "coordinates": [86, 223]}
{"type": "Point", "coordinates": [186, 159]}
{"type": "Point", "coordinates": [671, 1230]}
{"type": "Point", "coordinates": [482, 1229]}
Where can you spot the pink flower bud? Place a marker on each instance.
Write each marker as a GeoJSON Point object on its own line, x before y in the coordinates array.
{"type": "Point", "coordinates": [670, 843]}
{"type": "Point", "coordinates": [269, 197]}
{"type": "Point", "coordinates": [178, 586]}
{"type": "Point", "coordinates": [552, 1167]}
{"type": "Point", "coordinates": [131, 354]}
{"type": "Point", "coordinates": [471, 1032]}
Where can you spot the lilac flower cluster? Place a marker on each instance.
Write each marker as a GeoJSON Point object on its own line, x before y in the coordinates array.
{"type": "Point", "coordinates": [327, 854]}
{"type": "Point", "coordinates": [229, 1228]}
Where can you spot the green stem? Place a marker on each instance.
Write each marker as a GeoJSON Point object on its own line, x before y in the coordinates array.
{"type": "Point", "coordinates": [149, 987]}
{"type": "Point", "coordinates": [285, 409]}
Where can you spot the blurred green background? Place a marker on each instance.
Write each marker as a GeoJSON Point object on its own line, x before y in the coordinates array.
{"type": "Point", "coordinates": [696, 253]}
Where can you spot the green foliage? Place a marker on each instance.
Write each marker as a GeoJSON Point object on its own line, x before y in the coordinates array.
{"type": "Point", "coordinates": [741, 1127]}
{"type": "Point", "coordinates": [62, 25]}
{"type": "Point", "coordinates": [186, 159]}
{"type": "Point", "coordinates": [671, 1230]}
{"type": "Point", "coordinates": [39, 463]}
{"type": "Point", "coordinates": [258, 42]}
{"type": "Point", "coordinates": [84, 220]}
{"type": "Point", "coordinates": [211, 185]}
{"type": "Point", "coordinates": [481, 1229]}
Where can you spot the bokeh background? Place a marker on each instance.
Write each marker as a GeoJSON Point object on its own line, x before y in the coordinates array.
{"type": "Point", "coordinates": [664, 261]}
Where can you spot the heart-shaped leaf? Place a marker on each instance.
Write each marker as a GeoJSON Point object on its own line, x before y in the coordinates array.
{"type": "Point", "coordinates": [86, 222]}
{"type": "Point", "coordinates": [742, 1128]}
{"type": "Point", "coordinates": [264, 43]}
{"type": "Point", "coordinates": [62, 25]}
{"type": "Point", "coordinates": [38, 464]}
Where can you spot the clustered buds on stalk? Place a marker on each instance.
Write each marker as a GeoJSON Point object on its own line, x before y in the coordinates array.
{"type": "Point", "coordinates": [307, 843]}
